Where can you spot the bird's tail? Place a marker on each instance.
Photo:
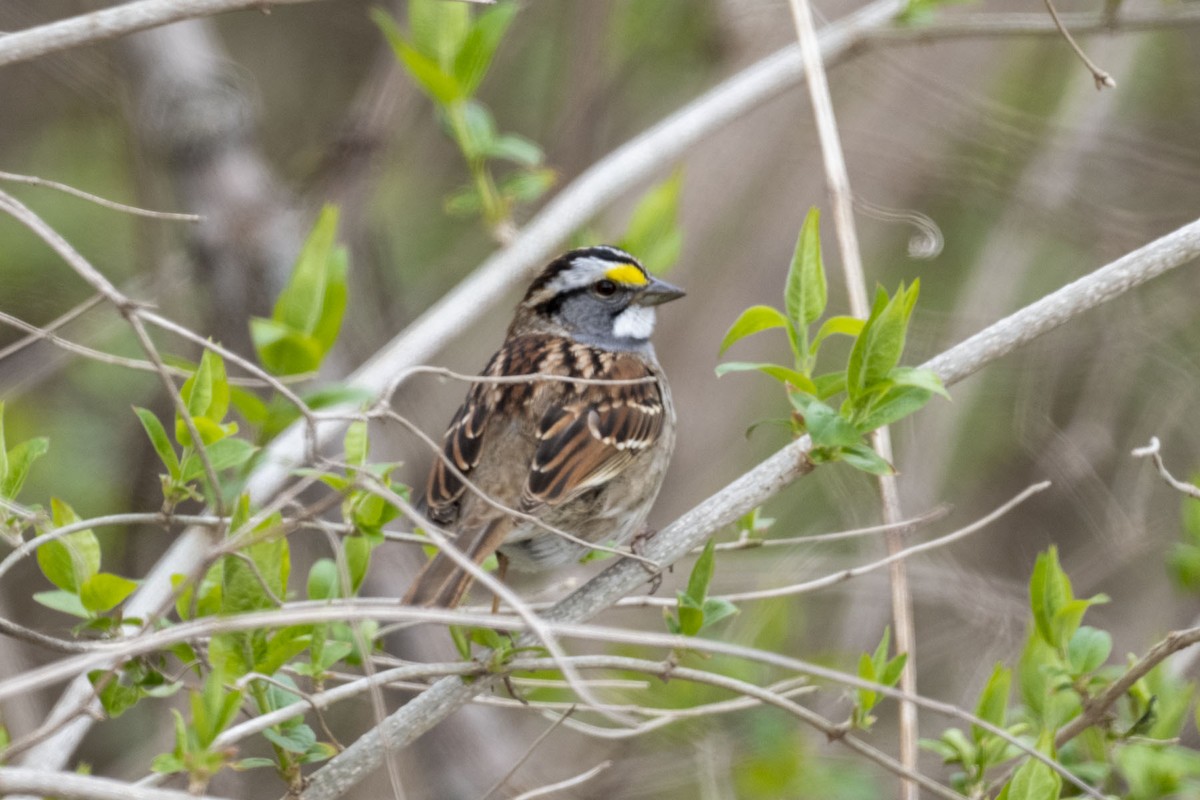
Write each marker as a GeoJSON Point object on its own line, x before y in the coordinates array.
{"type": "Point", "coordinates": [441, 582]}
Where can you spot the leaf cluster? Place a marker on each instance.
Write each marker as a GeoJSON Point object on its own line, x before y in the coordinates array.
{"type": "Point", "coordinates": [877, 390]}
{"type": "Point", "coordinates": [447, 51]}
{"type": "Point", "coordinates": [695, 610]}
{"type": "Point", "coordinates": [877, 668]}
{"type": "Point", "coordinates": [1131, 751]}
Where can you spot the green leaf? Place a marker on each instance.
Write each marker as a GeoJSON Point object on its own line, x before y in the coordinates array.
{"type": "Point", "coordinates": [877, 350]}
{"type": "Point", "coordinates": [284, 351]}
{"type": "Point", "coordinates": [64, 601]}
{"type": "Point", "coordinates": [225, 453]}
{"type": "Point", "coordinates": [69, 560]}
{"type": "Point", "coordinates": [827, 427]}
{"type": "Point", "coordinates": [653, 232]}
{"type": "Point", "coordinates": [918, 378]}
{"type": "Point", "coordinates": [527, 185]}
{"type": "Point", "coordinates": [752, 321]}
{"type": "Point", "coordinates": [105, 591]}
{"type": "Point", "coordinates": [436, 82]}
{"type": "Point", "coordinates": [829, 384]}
{"type": "Point", "coordinates": [836, 326]}
{"type": "Point", "coordinates": [355, 443]}
{"type": "Point", "coordinates": [1049, 590]}
{"type": "Point", "coordinates": [691, 616]}
{"type": "Point", "coordinates": [781, 374]}
{"type": "Point", "coordinates": [358, 559]}
{"type": "Point", "coordinates": [463, 202]}
{"type": "Point", "coordinates": [892, 670]}
{"type": "Point", "coordinates": [1066, 619]}
{"type": "Point", "coordinates": [462, 641]}
{"type": "Point", "coordinates": [479, 46]}
{"type": "Point", "coordinates": [805, 293]}
{"type": "Point", "coordinates": [702, 572]}
{"type": "Point", "coordinates": [251, 763]}
{"type": "Point", "coordinates": [206, 395]}
{"type": "Point", "coordinates": [282, 647]}
{"type": "Point", "coordinates": [1056, 611]}
{"type": "Point", "coordinates": [1034, 780]}
{"type": "Point", "coordinates": [474, 128]}
{"type": "Point", "coordinates": [1088, 649]}
{"type": "Point", "coordinates": [439, 29]}
{"type": "Point", "coordinates": [333, 307]}
{"type": "Point", "coordinates": [299, 304]}
{"type": "Point", "coordinates": [197, 391]}
{"type": "Point", "coordinates": [516, 149]}
{"type": "Point", "coordinates": [242, 590]}
{"type": "Point", "coordinates": [208, 602]}
{"type": "Point", "coordinates": [323, 580]}
{"type": "Point", "coordinates": [168, 763]}
{"type": "Point", "coordinates": [863, 456]}
{"type": "Point", "coordinates": [19, 459]}
{"type": "Point", "coordinates": [115, 696]}
{"type": "Point", "coordinates": [231, 653]}
{"type": "Point", "coordinates": [158, 438]}
{"type": "Point", "coordinates": [993, 701]}
{"type": "Point", "coordinates": [213, 708]}
{"type": "Point", "coordinates": [293, 738]}
{"type": "Point", "coordinates": [716, 609]}
{"type": "Point", "coordinates": [879, 657]}
{"type": "Point", "coordinates": [896, 403]}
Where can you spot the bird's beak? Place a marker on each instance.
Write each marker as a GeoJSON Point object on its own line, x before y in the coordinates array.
{"type": "Point", "coordinates": [657, 292]}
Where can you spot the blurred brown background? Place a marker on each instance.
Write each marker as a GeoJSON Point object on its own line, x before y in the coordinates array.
{"type": "Point", "coordinates": [1032, 176]}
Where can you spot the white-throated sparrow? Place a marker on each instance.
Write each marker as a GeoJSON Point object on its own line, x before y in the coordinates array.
{"type": "Point", "coordinates": [585, 458]}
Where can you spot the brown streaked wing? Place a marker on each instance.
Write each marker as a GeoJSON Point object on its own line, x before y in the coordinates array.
{"type": "Point", "coordinates": [586, 443]}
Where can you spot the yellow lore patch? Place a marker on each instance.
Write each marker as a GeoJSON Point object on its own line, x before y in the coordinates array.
{"type": "Point", "coordinates": [627, 274]}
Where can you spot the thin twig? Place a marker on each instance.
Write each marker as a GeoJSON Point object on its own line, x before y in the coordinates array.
{"type": "Point", "coordinates": [1103, 79]}
{"type": "Point", "coordinates": [40, 333]}
{"type": "Point", "coordinates": [74, 786]}
{"type": "Point", "coordinates": [553, 788]}
{"type": "Point", "coordinates": [854, 572]}
{"type": "Point", "coordinates": [144, 518]}
{"type": "Point", "coordinates": [317, 612]}
{"type": "Point", "coordinates": [110, 23]}
{"type": "Point", "coordinates": [966, 26]}
{"type": "Point", "coordinates": [1152, 450]}
{"type": "Point", "coordinates": [904, 526]}
{"type": "Point", "coordinates": [31, 180]}
{"type": "Point", "coordinates": [528, 752]}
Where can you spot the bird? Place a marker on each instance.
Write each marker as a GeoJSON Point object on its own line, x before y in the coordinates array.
{"type": "Point", "coordinates": [585, 457]}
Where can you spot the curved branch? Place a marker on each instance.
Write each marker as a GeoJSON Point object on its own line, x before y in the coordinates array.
{"type": "Point", "coordinates": [110, 23]}
{"type": "Point", "coordinates": [73, 786]}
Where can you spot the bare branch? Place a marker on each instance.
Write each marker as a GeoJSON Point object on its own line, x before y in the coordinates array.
{"type": "Point", "coordinates": [498, 785]}
{"type": "Point", "coordinates": [551, 788]}
{"type": "Point", "coordinates": [965, 26]}
{"type": "Point", "coordinates": [109, 23]}
{"type": "Point", "coordinates": [1103, 79]}
{"type": "Point", "coordinates": [1152, 450]}
{"type": "Point", "coordinates": [854, 572]}
{"type": "Point", "coordinates": [74, 786]}
{"type": "Point", "coordinates": [31, 180]}
{"type": "Point", "coordinates": [1133, 269]}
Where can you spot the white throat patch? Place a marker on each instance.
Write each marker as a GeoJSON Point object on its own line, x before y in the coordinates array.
{"type": "Point", "coordinates": [635, 322]}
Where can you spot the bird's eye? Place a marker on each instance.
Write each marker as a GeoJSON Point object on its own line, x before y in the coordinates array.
{"type": "Point", "coordinates": [605, 288]}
